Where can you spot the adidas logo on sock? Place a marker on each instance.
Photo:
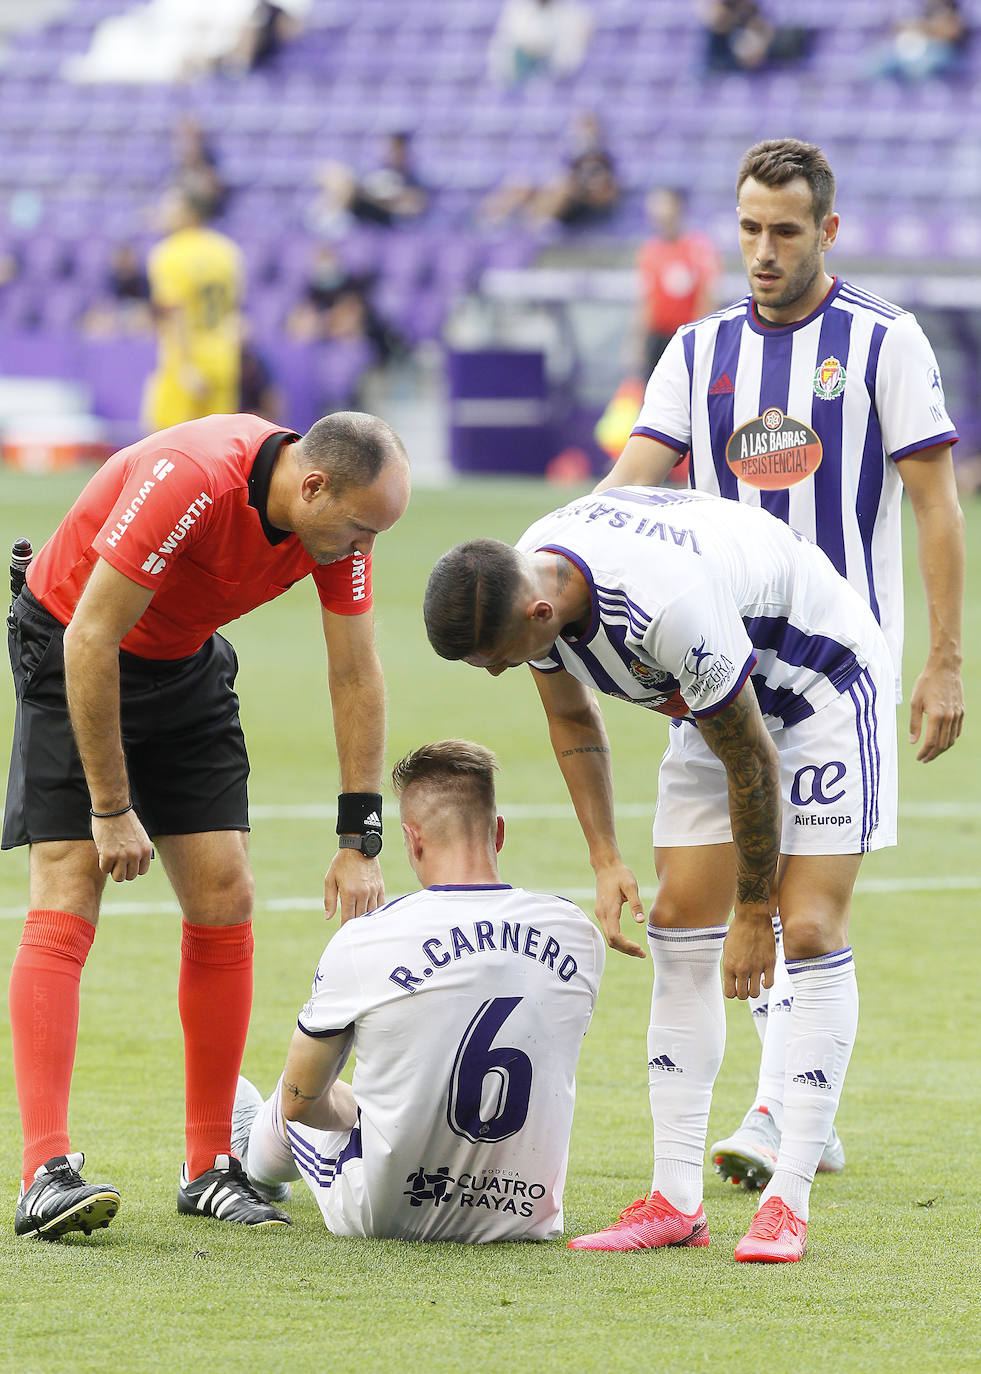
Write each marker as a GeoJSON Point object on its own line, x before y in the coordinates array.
{"type": "Point", "coordinates": [373, 819]}
{"type": "Point", "coordinates": [663, 1062]}
{"type": "Point", "coordinates": [813, 1078]}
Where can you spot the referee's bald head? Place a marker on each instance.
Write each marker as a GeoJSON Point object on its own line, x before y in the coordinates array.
{"type": "Point", "coordinates": [351, 448]}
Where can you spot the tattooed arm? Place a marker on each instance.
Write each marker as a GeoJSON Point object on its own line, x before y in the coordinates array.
{"type": "Point", "coordinates": [578, 735]}
{"type": "Point", "coordinates": [738, 737]}
{"type": "Point", "coordinates": [311, 1090]}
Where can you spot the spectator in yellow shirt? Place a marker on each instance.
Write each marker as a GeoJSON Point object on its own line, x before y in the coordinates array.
{"type": "Point", "coordinates": [196, 283]}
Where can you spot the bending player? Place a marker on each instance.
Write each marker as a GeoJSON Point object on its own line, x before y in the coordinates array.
{"type": "Point", "coordinates": [774, 671]}
{"type": "Point", "coordinates": [822, 403]}
{"type": "Point", "coordinates": [465, 1005]}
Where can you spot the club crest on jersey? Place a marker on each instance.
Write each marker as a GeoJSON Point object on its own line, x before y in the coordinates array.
{"type": "Point", "coordinates": [648, 677]}
{"type": "Point", "coordinates": [829, 379]}
{"type": "Point", "coordinates": [774, 451]}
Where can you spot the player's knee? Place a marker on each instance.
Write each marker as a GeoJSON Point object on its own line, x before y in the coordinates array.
{"type": "Point", "coordinates": [679, 911]}
{"type": "Point", "coordinates": [811, 934]}
{"type": "Point", "coordinates": [65, 876]}
{"type": "Point", "coordinates": [225, 903]}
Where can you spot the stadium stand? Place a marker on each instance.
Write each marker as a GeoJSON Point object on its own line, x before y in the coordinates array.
{"type": "Point", "coordinates": [82, 160]}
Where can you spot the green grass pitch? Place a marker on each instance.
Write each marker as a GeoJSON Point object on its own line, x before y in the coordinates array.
{"type": "Point", "coordinates": [892, 1277]}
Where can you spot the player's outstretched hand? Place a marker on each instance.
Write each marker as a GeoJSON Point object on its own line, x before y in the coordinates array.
{"type": "Point", "coordinates": [353, 885]}
{"type": "Point", "coordinates": [748, 953]}
{"type": "Point", "coordinates": [938, 695]}
{"type": "Point", "coordinates": [124, 846]}
{"type": "Point", "coordinates": [615, 884]}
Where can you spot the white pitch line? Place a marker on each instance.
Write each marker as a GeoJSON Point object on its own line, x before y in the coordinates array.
{"type": "Point", "coordinates": [968, 882]}
{"type": "Point", "coordinates": [562, 811]}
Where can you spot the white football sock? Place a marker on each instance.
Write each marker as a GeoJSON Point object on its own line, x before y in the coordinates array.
{"type": "Point", "coordinates": [759, 1006]}
{"type": "Point", "coordinates": [823, 1024]}
{"type": "Point", "coordinates": [685, 1043]}
{"type": "Point", "coordinates": [769, 1086]}
{"type": "Point", "coordinates": [269, 1154]}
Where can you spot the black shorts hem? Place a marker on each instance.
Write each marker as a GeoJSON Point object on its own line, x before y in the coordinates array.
{"type": "Point", "coordinates": [182, 737]}
{"type": "Point", "coordinates": [157, 834]}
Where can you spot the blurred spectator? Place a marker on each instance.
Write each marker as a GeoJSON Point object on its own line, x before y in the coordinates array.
{"type": "Point", "coordinates": [258, 392]}
{"type": "Point", "coordinates": [9, 266]}
{"type": "Point", "coordinates": [930, 44]}
{"type": "Point", "coordinates": [197, 166]}
{"type": "Point", "coordinates": [740, 38]}
{"type": "Point", "coordinates": [337, 305]}
{"type": "Point", "coordinates": [196, 282]}
{"type": "Point", "coordinates": [391, 194]}
{"type": "Point", "coordinates": [679, 269]}
{"type": "Point", "coordinates": [267, 29]}
{"type": "Point", "coordinates": [124, 306]}
{"type": "Point", "coordinates": [538, 36]}
{"type": "Point", "coordinates": [586, 191]}
{"type": "Point", "coordinates": [170, 40]}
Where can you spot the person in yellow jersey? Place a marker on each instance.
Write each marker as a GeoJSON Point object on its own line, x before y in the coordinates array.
{"type": "Point", "coordinates": [196, 283]}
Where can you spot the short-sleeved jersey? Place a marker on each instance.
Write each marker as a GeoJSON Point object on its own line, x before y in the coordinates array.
{"type": "Point", "coordinates": [674, 275]}
{"type": "Point", "coordinates": [809, 420]}
{"type": "Point", "coordinates": [692, 595]}
{"type": "Point", "coordinates": [469, 1006]}
{"type": "Point", "coordinates": [199, 271]}
{"type": "Point", "coordinates": [173, 513]}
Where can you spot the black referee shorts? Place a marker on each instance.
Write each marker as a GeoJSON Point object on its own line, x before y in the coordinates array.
{"type": "Point", "coordinates": [185, 751]}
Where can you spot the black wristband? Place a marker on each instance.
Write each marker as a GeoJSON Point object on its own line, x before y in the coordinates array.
{"type": "Point", "coordinates": [108, 815]}
{"type": "Point", "coordinates": [359, 812]}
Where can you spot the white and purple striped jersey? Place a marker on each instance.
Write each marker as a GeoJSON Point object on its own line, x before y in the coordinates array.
{"type": "Point", "coordinates": [469, 1006]}
{"type": "Point", "coordinates": [809, 421]}
{"type": "Point", "coordinates": [691, 595]}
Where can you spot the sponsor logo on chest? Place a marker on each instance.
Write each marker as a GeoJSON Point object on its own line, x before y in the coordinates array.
{"type": "Point", "coordinates": [774, 451]}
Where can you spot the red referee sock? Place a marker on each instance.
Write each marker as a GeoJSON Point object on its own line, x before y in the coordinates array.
{"type": "Point", "coordinates": [44, 984]}
{"type": "Point", "coordinates": [215, 998]}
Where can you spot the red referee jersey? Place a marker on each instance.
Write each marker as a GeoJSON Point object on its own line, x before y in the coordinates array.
{"type": "Point", "coordinates": [172, 513]}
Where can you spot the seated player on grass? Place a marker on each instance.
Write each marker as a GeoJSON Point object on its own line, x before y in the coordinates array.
{"type": "Point", "coordinates": [465, 1005]}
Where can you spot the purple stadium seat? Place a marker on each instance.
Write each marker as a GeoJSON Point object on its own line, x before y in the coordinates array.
{"type": "Point", "coordinates": [360, 250]}
{"type": "Point", "coordinates": [406, 256]}
{"type": "Point", "coordinates": [340, 364]}
{"type": "Point", "coordinates": [116, 370]}
{"type": "Point", "coordinates": [28, 353]}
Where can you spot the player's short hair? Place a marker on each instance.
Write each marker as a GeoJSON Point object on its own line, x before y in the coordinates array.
{"type": "Point", "coordinates": [470, 598]}
{"type": "Point", "coordinates": [779, 160]}
{"type": "Point", "coordinates": [459, 770]}
{"type": "Point", "coordinates": [351, 447]}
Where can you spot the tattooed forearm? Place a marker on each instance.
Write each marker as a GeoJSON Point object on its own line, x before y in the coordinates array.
{"type": "Point", "coordinates": [738, 737]}
{"type": "Point", "coordinates": [293, 1091]}
{"type": "Point", "coordinates": [585, 749]}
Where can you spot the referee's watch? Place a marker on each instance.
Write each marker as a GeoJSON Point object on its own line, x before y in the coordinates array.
{"type": "Point", "coordinates": [369, 843]}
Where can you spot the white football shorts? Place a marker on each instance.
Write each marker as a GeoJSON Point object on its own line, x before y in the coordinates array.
{"type": "Point", "coordinates": [331, 1164]}
{"type": "Point", "coordinates": [838, 775]}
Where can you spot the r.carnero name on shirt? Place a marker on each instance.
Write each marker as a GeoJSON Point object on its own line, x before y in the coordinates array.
{"type": "Point", "coordinates": [511, 937]}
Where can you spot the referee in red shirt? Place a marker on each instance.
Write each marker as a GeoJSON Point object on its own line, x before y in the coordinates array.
{"type": "Point", "coordinates": [127, 728]}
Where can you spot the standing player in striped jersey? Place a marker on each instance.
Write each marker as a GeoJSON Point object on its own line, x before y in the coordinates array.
{"type": "Point", "coordinates": [780, 683]}
{"type": "Point", "coordinates": [818, 401]}
{"type": "Point", "coordinates": [465, 1005]}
